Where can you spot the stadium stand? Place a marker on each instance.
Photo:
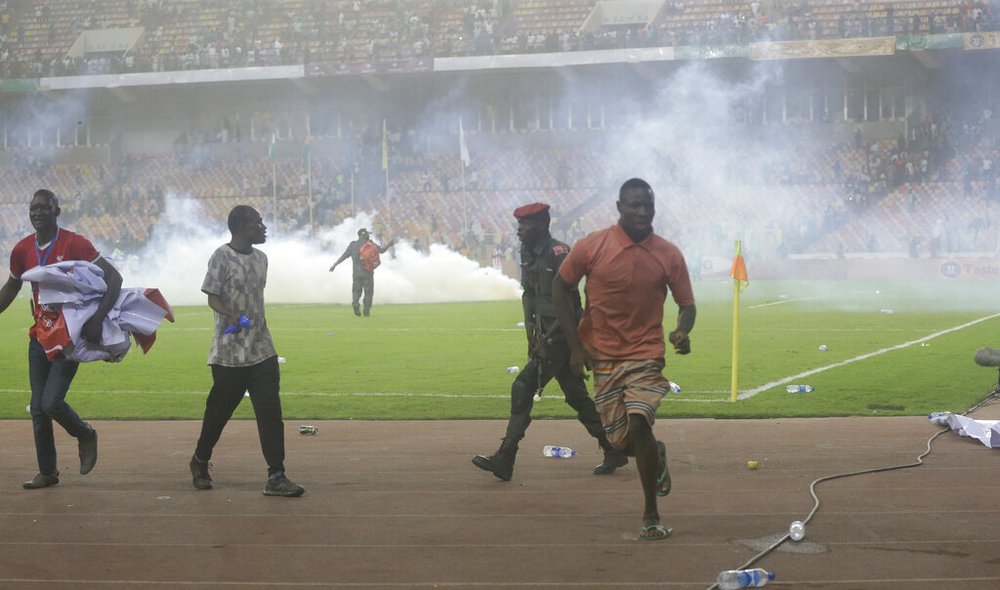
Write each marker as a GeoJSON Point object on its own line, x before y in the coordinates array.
{"type": "Point", "coordinates": [188, 34]}
{"type": "Point", "coordinates": [828, 188]}
{"type": "Point", "coordinates": [932, 190]}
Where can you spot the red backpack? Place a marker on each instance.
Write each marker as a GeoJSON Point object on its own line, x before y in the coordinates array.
{"type": "Point", "coordinates": [370, 258]}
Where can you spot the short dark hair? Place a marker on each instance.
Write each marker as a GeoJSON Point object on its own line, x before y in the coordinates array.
{"type": "Point", "coordinates": [238, 215]}
{"type": "Point", "coordinates": [634, 183]}
{"type": "Point", "coordinates": [48, 195]}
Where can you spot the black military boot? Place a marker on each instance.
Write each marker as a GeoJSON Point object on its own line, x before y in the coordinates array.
{"type": "Point", "coordinates": [613, 459]}
{"type": "Point", "coordinates": [501, 463]}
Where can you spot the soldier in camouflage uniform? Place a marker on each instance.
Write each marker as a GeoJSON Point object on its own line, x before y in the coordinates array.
{"type": "Point", "coordinates": [548, 351]}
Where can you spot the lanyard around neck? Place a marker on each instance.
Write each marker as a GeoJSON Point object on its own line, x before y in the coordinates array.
{"type": "Point", "coordinates": [48, 250]}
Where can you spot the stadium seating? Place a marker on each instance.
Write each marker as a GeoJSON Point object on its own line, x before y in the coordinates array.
{"type": "Point", "coordinates": [831, 211]}
{"type": "Point", "coordinates": [842, 197]}
{"type": "Point", "coordinates": [189, 34]}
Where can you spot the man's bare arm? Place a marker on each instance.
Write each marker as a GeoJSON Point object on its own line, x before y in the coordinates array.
{"type": "Point", "coordinates": [685, 323]}
{"type": "Point", "coordinates": [92, 328]}
{"type": "Point", "coordinates": [9, 292]}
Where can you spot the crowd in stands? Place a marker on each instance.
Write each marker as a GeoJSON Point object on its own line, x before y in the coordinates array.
{"type": "Point", "coordinates": [354, 35]}
{"type": "Point", "coordinates": [933, 192]}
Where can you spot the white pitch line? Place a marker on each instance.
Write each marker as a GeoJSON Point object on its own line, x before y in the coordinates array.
{"type": "Point", "coordinates": [293, 393]}
{"type": "Point", "coordinates": [355, 329]}
{"type": "Point", "coordinates": [557, 397]}
{"type": "Point", "coordinates": [531, 584]}
{"type": "Point", "coordinates": [797, 299]}
{"type": "Point", "coordinates": [331, 584]}
{"type": "Point", "coordinates": [390, 394]}
{"type": "Point", "coordinates": [745, 395]}
{"type": "Point", "coordinates": [752, 392]}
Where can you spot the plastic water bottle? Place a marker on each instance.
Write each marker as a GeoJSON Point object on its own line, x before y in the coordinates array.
{"type": "Point", "coordinates": [558, 452]}
{"type": "Point", "coordinates": [513, 369]}
{"type": "Point", "coordinates": [939, 418]}
{"type": "Point", "coordinates": [799, 388]}
{"type": "Point", "coordinates": [674, 387]}
{"type": "Point", "coordinates": [797, 530]}
{"type": "Point", "coordinates": [736, 579]}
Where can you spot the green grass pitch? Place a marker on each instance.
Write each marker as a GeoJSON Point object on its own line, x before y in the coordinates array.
{"type": "Point", "coordinates": [891, 349]}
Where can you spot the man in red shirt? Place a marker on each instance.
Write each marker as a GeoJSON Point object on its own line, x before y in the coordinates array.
{"type": "Point", "coordinates": [50, 380]}
{"type": "Point", "coordinates": [629, 272]}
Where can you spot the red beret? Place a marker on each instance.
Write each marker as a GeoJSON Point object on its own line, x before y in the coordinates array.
{"type": "Point", "coordinates": [530, 210]}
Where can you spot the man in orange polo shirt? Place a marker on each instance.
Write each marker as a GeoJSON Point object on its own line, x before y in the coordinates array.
{"type": "Point", "coordinates": [629, 272]}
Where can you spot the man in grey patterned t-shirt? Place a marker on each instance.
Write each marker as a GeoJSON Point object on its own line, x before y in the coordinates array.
{"type": "Point", "coordinates": [242, 355]}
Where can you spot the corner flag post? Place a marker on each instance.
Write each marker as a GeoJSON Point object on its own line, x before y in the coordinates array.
{"type": "Point", "coordinates": [740, 281]}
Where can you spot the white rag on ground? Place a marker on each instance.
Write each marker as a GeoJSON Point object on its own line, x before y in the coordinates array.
{"type": "Point", "coordinates": [985, 431]}
{"type": "Point", "coordinates": [74, 288]}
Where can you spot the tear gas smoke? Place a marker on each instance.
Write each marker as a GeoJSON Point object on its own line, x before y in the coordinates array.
{"type": "Point", "coordinates": [175, 259]}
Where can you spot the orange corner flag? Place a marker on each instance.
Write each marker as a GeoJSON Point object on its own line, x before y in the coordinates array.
{"type": "Point", "coordinates": [739, 270]}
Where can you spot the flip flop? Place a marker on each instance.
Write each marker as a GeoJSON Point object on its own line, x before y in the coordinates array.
{"type": "Point", "coordinates": [654, 532]}
{"type": "Point", "coordinates": [663, 483]}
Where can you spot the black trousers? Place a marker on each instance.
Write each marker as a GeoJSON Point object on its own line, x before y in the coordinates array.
{"type": "Point", "coordinates": [229, 383]}
{"type": "Point", "coordinates": [537, 373]}
{"type": "Point", "coordinates": [363, 284]}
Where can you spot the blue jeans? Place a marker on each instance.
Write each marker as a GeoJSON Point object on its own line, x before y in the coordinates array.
{"type": "Point", "coordinates": [50, 381]}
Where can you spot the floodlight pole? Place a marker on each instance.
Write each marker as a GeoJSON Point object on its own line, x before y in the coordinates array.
{"type": "Point", "coordinates": [274, 192]}
{"type": "Point", "coordinates": [309, 195]}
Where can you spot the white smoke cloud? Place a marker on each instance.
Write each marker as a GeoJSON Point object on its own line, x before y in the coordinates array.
{"type": "Point", "coordinates": [177, 254]}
